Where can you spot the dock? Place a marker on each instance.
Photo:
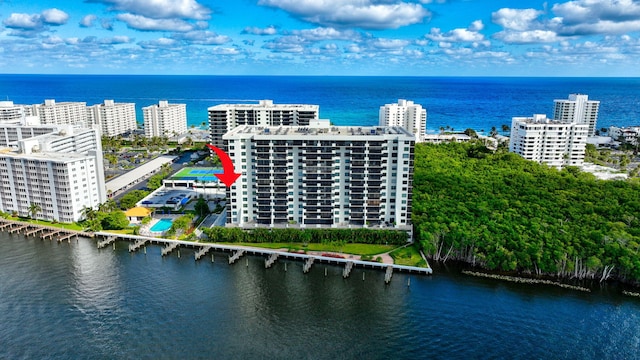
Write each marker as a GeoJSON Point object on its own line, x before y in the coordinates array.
{"type": "Point", "coordinates": [347, 269]}
{"type": "Point", "coordinates": [66, 237]}
{"type": "Point", "coordinates": [236, 256]}
{"type": "Point", "coordinates": [236, 252]}
{"type": "Point", "coordinates": [169, 248]}
{"type": "Point", "coordinates": [137, 245]}
{"type": "Point", "coordinates": [272, 259]}
{"type": "Point", "coordinates": [307, 264]}
{"type": "Point", "coordinates": [388, 274]}
{"type": "Point", "coordinates": [202, 252]}
{"type": "Point", "coordinates": [106, 242]}
{"type": "Point", "coordinates": [17, 229]}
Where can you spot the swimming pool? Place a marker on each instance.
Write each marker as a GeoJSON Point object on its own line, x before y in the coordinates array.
{"type": "Point", "coordinates": [162, 225]}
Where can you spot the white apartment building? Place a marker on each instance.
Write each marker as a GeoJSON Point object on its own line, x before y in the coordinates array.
{"type": "Point", "coordinates": [406, 114]}
{"type": "Point", "coordinates": [59, 168]}
{"type": "Point", "coordinates": [321, 176]}
{"type": "Point", "coordinates": [628, 134]}
{"type": "Point", "coordinates": [61, 113]}
{"type": "Point", "coordinates": [548, 141]}
{"type": "Point", "coordinates": [225, 117]}
{"type": "Point", "coordinates": [579, 109]}
{"type": "Point", "coordinates": [10, 113]}
{"type": "Point", "coordinates": [165, 119]}
{"type": "Point", "coordinates": [113, 118]}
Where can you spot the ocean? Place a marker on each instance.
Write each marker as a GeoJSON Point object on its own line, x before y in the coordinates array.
{"type": "Point", "coordinates": [460, 103]}
{"type": "Point", "coordinates": [73, 301]}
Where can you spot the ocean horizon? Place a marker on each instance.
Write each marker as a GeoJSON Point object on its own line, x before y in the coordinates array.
{"type": "Point", "coordinates": [479, 103]}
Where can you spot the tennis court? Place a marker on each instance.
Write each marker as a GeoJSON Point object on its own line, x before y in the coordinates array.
{"type": "Point", "coordinates": [198, 174]}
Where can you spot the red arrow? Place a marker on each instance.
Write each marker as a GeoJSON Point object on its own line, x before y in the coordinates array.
{"type": "Point", "coordinates": [228, 176]}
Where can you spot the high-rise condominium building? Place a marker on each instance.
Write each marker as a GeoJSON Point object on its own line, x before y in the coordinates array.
{"type": "Point", "coordinates": [10, 113]}
{"type": "Point", "coordinates": [54, 169]}
{"type": "Point", "coordinates": [165, 119]}
{"type": "Point", "coordinates": [406, 114]}
{"type": "Point", "coordinates": [225, 117]}
{"type": "Point", "coordinates": [321, 176]}
{"type": "Point", "coordinates": [113, 118]}
{"type": "Point", "coordinates": [578, 108]}
{"type": "Point", "coordinates": [52, 112]}
{"type": "Point", "coordinates": [552, 142]}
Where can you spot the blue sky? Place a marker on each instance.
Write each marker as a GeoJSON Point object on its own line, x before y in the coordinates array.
{"type": "Point", "coordinates": [322, 37]}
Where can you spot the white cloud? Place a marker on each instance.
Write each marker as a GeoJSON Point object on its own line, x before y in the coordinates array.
{"type": "Point", "coordinates": [270, 30]}
{"type": "Point", "coordinates": [161, 9]}
{"type": "Point", "coordinates": [54, 17]}
{"type": "Point", "coordinates": [471, 34]}
{"type": "Point", "coordinates": [366, 14]}
{"type": "Point", "coordinates": [226, 51]}
{"type": "Point", "coordinates": [29, 25]}
{"type": "Point", "coordinates": [326, 33]}
{"type": "Point", "coordinates": [527, 37]}
{"type": "Point", "coordinates": [23, 21]}
{"type": "Point", "coordinates": [516, 19]}
{"type": "Point", "coordinates": [140, 22]}
{"type": "Point", "coordinates": [87, 20]}
{"type": "Point", "coordinates": [158, 43]}
{"type": "Point", "coordinates": [202, 37]}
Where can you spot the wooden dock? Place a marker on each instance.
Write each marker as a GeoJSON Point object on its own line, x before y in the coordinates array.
{"type": "Point", "coordinates": [388, 274]}
{"type": "Point", "coordinates": [236, 256]}
{"type": "Point", "coordinates": [106, 242]}
{"type": "Point", "coordinates": [307, 264]}
{"type": "Point", "coordinates": [347, 269]}
{"type": "Point", "coordinates": [169, 248]}
{"type": "Point", "coordinates": [137, 245]}
{"type": "Point", "coordinates": [202, 252]}
{"type": "Point", "coordinates": [238, 251]}
{"type": "Point", "coordinates": [272, 259]}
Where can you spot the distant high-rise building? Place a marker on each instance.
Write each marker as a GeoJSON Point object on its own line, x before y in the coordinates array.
{"type": "Point", "coordinates": [225, 117]}
{"type": "Point", "coordinates": [412, 117]}
{"type": "Point", "coordinates": [61, 113]}
{"type": "Point", "coordinates": [113, 118]}
{"type": "Point", "coordinates": [325, 176]}
{"type": "Point", "coordinates": [549, 141]}
{"type": "Point", "coordinates": [57, 168]}
{"type": "Point", "coordinates": [10, 113]}
{"type": "Point", "coordinates": [165, 119]}
{"type": "Point", "coordinates": [578, 108]}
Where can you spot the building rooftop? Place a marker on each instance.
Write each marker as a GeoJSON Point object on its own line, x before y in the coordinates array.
{"type": "Point", "coordinates": [285, 131]}
{"type": "Point", "coordinates": [264, 104]}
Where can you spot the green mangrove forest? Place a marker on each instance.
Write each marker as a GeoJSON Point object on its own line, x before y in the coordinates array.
{"type": "Point", "coordinates": [503, 213]}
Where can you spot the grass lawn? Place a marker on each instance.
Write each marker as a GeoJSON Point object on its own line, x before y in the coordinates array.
{"type": "Point", "coordinates": [409, 256]}
{"type": "Point", "coordinates": [75, 227]}
{"type": "Point", "coordinates": [354, 249]}
{"type": "Point", "coordinates": [127, 231]}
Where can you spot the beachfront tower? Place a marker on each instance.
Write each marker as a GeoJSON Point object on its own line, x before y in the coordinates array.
{"type": "Point", "coordinates": [61, 113]}
{"type": "Point", "coordinates": [406, 114]}
{"type": "Point", "coordinates": [549, 141]}
{"type": "Point", "coordinates": [113, 118]}
{"type": "Point", "coordinates": [225, 117]}
{"type": "Point", "coordinates": [165, 119]}
{"type": "Point", "coordinates": [324, 176]}
{"type": "Point", "coordinates": [577, 108]}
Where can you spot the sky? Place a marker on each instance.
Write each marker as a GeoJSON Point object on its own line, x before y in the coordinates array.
{"type": "Point", "coordinates": [321, 37]}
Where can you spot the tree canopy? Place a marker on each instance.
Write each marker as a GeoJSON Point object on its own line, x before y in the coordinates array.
{"type": "Point", "coordinates": [505, 213]}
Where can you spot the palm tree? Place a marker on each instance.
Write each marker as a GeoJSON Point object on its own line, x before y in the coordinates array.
{"type": "Point", "coordinates": [493, 131]}
{"type": "Point", "coordinates": [88, 213]}
{"type": "Point", "coordinates": [505, 128]}
{"type": "Point", "coordinates": [34, 209]}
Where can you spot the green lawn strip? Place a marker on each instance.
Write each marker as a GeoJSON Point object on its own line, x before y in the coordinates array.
{"type": "Point", "coordinates": [409, 256]}
{"type": "Point", "coordinates": [75, 227]}
{"type": "Point", "coordinates": [353, 249]}
{"type": "Point", "coordinates": [127, 231]}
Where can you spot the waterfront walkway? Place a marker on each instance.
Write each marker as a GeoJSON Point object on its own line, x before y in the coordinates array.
{"type": "Point", "coordinates": [268, 253]}
{"type": "Point", "coordinates": [44, 232]}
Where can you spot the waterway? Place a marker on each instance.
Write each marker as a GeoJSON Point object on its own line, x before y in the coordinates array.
{"type": "Point", "coordinates": [71, 300]}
